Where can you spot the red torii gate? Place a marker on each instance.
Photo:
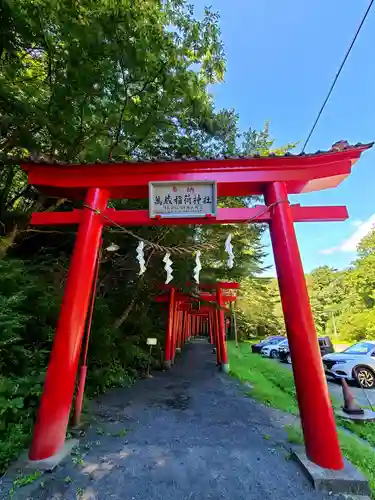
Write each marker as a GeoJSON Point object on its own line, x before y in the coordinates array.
{"type": "Point", "coordinates": [185, 322]}
{"type": "Point", "coordinates": [274, 177]}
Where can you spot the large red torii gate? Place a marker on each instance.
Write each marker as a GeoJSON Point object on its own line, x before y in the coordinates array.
{"type": "Point", "coordinates": [274, 177]}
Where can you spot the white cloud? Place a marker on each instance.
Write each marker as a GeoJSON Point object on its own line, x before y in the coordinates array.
{"type": "Point", "coordinates": [350, 244]}
{"type": "Point", "coordinates": [328, 251]}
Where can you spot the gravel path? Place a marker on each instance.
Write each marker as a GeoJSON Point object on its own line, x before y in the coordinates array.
{"type": "Point", "coordinates": [191, 434]}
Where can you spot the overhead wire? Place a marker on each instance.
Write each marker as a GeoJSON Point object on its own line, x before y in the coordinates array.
{"type": "Point", "coordinates": [337, 75]}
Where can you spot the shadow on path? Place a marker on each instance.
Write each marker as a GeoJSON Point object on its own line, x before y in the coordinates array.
{"type": "Point", "coordinates": [188, 434]}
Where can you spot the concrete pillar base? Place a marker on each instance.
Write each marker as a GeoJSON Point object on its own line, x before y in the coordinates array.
{"type": "Point", "coordinates": [178, 350]}
{"type": "Point", "coordinates": [348, 480]}
{"type": "Point", "coordinates": [167, 365]}
{"type": "Point", "coordinates": [48, 464]}
{"type": "Point", "coordinates": [224, 367]}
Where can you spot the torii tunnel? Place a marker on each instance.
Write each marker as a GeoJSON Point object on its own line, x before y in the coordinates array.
{"type": "Point", "coordinates": [275, 178]}
{"type": "Point", "coordinates": [186, 321]}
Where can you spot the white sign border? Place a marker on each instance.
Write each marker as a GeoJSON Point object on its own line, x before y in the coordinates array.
{"type": "Point", "coordinates": [188, 215]}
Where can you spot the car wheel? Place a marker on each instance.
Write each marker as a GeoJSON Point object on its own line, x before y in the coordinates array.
{"type": "Point", "coordinates": [364, 377]}
{"type": "Point", "coordinates": [289, 359]}
{"type": "Point", "coordinates": [273, 354]}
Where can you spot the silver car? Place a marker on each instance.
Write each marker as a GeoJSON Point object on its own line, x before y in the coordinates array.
{"type": "Point", "coordinates": [356, 363]}
{"type": "Point", "coordinates": [271, 349]}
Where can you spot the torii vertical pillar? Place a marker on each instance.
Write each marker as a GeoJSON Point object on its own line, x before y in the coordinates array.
{"type": "Point", "coordinates": [177, 335]}
{"type": "Point", "coordinates": [217, 343]}
{"type": "Point", "coordinates": [210, 327]}
{"type": "Point", "coordinates": [224, 363]}
{"type": "Point", "coordinates": [168, 346]}
{"type": "Point", "coordinates": [317, 418]}
{"type": "Point", "coordinates": [56, 400]}
{"type": "Point", "coordinates": [184, 326]}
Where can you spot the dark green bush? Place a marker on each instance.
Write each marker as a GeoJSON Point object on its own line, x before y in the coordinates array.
{"type": "Point", "coordinates": [29, 305]}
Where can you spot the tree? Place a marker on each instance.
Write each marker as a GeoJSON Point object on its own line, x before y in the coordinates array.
{"type": "Point", "coordinates": [260, 143]}
{"type": "Point", "coordinates": [326, 294]}
{"type": "Point", "coordinates": [358, 313]}
{"type": "Point", "coordinates": [257, 302]}
{"type": "Point", "coordinates": [346, 297]}
{"type": "Point", "coordinates": [103, 80]}
{"type": "Point", "coordinates": [108, 80]}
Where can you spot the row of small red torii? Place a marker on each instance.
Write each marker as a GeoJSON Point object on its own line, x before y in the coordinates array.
{"type": "Point", "coordinates": [184, 321]}
{"type": "Point", "coordinates": [275, 178]}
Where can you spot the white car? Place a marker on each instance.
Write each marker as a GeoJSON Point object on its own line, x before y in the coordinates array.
{"type": "Point", "coordinates": [271, 350]}
{"type": "Point", "coordinates": [356, 363]}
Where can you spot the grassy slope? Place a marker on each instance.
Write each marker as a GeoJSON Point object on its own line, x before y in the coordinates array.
{"type": "Point", "coordinates": [273, 385]}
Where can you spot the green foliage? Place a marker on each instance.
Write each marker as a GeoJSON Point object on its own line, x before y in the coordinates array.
{"type": "Point", "coordinates": [342, 302]}
{"type": "Point", "coordinates": [326, 292]}
{"type": "Point", "coordinates": [294, 432]}
{"type": "Point", "coordinates": [107, 80]}
{"type": "Point", "coordinates": [365, 431]}
{"type": "Point", "coordinates": [260, 142]}
{"type": "Point", "coordinates": [346, 297]}
{"type": "Point", "coordinates": [24, 480]}
{"type": "Point", "coordinates": [28, 311]}
{"type": "Point", "coordinates": [121, 433]}
{"type": "Point", "coordinates": [256, 305]}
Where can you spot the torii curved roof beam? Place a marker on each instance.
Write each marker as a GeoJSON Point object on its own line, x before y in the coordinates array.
{"type": "Point", "coordinates": [240, 176]}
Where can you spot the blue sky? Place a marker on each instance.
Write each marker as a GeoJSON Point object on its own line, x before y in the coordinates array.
{"type": "Point", "coordinates": [281, 59]}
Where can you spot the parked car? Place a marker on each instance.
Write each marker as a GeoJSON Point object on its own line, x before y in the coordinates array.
{"type": "Point", "coordinates": [356, 363]}
{"type": "Point", "coordinates": [272, 350]}
{"type": "Point", "coordinates": [274, 339]}
{"type": "Point", "coordinates": [325, 346]}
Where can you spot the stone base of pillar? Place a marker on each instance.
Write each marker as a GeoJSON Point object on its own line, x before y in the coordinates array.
{"type": "Point", "coordinates": [348, 480]}
{"type": "Point", "coordinates": [224, 367]}
{"type": "Point", "coordinates": [167, 365]}
{"type": "Point", "coordinates": [178, 350]}
{"type": "Point", "coordinates": [48, 464]}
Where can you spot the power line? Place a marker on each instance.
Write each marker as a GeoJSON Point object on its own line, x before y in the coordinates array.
{"type": "Point", "coordinates": [338, 74]}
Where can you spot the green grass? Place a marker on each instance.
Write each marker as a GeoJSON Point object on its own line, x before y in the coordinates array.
{"type": "Point", "coordinates": [22, 480]}
{"type": "Point", "coordinates": [365, 431]}
{"type": "Point", "coordinates": [294, 433]}
{"type": "Point", "coordinates": [272, 384]}
{"type": "Point", "coordinates": [360, 454]}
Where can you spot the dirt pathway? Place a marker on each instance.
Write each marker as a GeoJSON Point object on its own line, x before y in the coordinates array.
{"type": "Point", "coordinates": [191, 434]}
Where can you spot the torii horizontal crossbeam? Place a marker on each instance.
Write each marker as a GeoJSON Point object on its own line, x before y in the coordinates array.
{"type": "Point", "coordinates": [202, 296]}
{"type": "Point", "coordinates": [258, 214]}
{"type": "Point", "coordinates": [224, 285]}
